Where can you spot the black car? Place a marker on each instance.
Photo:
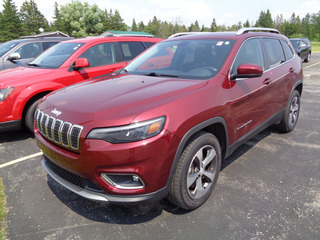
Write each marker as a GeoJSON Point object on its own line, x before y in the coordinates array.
{"type": "Point", "coordinates": [302, 46]}
{"type": "Point", "coordinates": [19, 52]}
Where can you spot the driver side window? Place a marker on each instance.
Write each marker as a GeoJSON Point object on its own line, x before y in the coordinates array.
{"type": "Point", "coordinates": [250, 52]}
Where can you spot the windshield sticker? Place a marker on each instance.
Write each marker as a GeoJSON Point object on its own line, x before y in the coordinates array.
{"type": "Point", "coordinates": [220, 43]}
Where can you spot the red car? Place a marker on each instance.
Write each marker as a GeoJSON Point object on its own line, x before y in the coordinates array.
{"type": "Point", "coordinates": [64, 64]}
{"type": "Point", "coordinates": [161, 127]}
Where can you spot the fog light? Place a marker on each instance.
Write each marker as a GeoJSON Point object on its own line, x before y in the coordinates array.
{"type": "Point", "coordinates": [123, 181]}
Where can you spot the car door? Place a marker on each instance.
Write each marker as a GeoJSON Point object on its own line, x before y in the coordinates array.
{"type": "Point", "coordinates": [249, 103]}
{"type": "Point", "coordinates": [102, 59]}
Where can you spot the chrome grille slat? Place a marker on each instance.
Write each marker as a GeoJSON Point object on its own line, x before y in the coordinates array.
{"type": "Point", "coordinates": [62, 133]}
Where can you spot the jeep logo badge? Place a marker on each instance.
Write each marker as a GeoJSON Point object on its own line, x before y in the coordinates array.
{"type": "Point", "coordinates": [56, 112]}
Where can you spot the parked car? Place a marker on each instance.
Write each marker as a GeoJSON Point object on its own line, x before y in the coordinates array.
{"type": "Point", "coordinates": [64, 64]}
{"type": "Point", "coordinates": [162, 125]}
{"type": "Point", "coordinates": [303, 48]}
{"type": "Point", "coordinates": [19, 52]}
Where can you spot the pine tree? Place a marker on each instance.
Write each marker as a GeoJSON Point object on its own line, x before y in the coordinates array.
{"type": "Point", "coordinates": [32, 19]}
{"type": "Point", "coordinates": [9, 22]}
{"type": "Point", "coordinates": [134, 27]}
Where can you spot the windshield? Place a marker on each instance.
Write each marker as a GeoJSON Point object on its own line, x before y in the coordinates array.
{"type": "Point", "coordinates": [5, 47]}
{"type": "Point", "coordinates": [55, 56]}
{"type": "Point", "coordinates": [190, 59]}
{"type": "Point", "coordinates": [295, 43]}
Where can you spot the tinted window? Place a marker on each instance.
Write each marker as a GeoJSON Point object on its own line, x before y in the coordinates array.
{"type": "Point", "coordinates": [250, 52]}
{"type": "Point", "coordinates": [189, 59]}
{"type": "Point", "coordinates": [47, 45]}
{"type": "Point", "coordinates": [148, 44]}
{"type": "Point", "coordinates": [30, 50]}
{"type": "Point", "coordinates": [100, 54]}
{"type": "Point", "coordinates": [287, 50]}
{"type": "Point", "coordinates": [295, 43]}
{"type": "Point", "coordinates": [274, 52]}
{"type": "Point", "coordinates": [130, 50]}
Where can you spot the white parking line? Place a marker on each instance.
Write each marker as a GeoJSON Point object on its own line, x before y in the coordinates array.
{"type": "Point", "coordinates": [20, 159]}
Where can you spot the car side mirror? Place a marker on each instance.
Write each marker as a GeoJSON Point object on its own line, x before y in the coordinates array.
{"type": "Point", "coordinates": [247, 71]}
{"type": "Point", "coordinates": [303, 45]}
{"type": "Point", "coordinates": [14, 56]}
{"type": "Point", "coordinates": [81, 63]}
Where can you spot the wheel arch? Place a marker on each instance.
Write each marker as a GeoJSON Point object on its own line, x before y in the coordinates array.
{"type": "Point", "coordinates": [217, 126]}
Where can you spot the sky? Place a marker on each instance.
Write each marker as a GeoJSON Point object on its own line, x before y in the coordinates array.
{"type": "Point", "coordinates": [226, 12]}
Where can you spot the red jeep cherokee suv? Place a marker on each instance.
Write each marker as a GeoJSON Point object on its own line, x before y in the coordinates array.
{"type": "Point", "coordinates": [163, 124]}
{"type": "Point", "coordinates": [64, 64]}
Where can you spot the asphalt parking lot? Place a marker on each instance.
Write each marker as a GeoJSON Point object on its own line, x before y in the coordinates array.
{"type": "Point", "coordinates": [268, 189]}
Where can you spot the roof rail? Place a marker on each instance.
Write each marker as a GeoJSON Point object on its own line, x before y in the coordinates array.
{"type": "Point", "coordinates": [125, 34]}
{"type": "Point", "coordinates": [252, 29]}
{"type": "Point", "coordinates": [182, 34]}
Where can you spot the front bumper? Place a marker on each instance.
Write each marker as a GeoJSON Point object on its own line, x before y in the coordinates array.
{"type": "Point", "coordinates": [151, 160]}
{"type": "Point", "coordinates": [96, 195]}
{"type": "Point", "coordinates": [10, 126]}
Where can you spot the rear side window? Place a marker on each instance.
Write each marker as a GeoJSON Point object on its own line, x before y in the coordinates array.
{"type": "Point", "coordinates": [250, 52]}
{"type": "Point", "coordinates": [287, 50]}
{"type": "Point", "coordinates": [274, 52]}
{"type": "Point", "coordinates": [130, 50]}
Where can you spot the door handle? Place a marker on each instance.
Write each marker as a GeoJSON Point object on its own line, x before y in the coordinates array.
{"type": "Point", "coordinates": [267, 81]}
{"type": "Point", "coordinates": [291, 70]}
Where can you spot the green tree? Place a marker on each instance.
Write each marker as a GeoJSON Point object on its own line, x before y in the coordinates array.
{"type": "Point", "coordinates": [134, 26]}
{"type": "Point", "coordinates": [116, 22]}
{"type": "Point", "coordinates": [57, 24]}
{"type": "Point", "coordinates": [213, 26]}
{"type": "Point", "coordinates": [246, 24]}
{"type": "Point", "coordinates": [81, 19]}
{"type": "Point", "coordinates": [32, 19]}
{"type": "Point", "coordinates": [265, 20]}
{"type": "Point", "coordinates": [141, 26]}
{"type": "Point", "coordinates": [10, 24]}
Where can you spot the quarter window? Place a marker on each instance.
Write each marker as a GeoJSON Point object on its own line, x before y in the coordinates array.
{"type": "Point", "coordinates": [274, 52]}
{"type": "Point", "coordinates": [250, 52]}
{"type": "Point", "coordinates": [287, 50]}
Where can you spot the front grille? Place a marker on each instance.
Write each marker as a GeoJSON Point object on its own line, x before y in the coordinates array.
{"type": "Point", "coordinates": [70, 177]}
{"type": "Point", "coordinates": [62, 133]}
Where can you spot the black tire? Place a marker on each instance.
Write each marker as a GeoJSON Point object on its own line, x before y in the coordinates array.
{"type": "Point", "coordinates": [197, 172]}
{"type": "Point", "coordinates": [308, 57]}
{"type": "Point", "coordinates": [29, 118]}
{"type": "Point", "coordinates": [291, 114]}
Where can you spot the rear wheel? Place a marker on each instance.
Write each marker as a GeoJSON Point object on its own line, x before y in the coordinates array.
{"type": "Point", "coordinates": [308, 57]}
{"type": "Point", "coordinates": [29, 118]}
{"type": "Point", "coordinates": [291, 114]}
{"type": "Point", "coordinates": [197, 172]}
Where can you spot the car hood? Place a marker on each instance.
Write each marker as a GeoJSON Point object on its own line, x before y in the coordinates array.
{"type": "Point", "coordinates": [16, 75]}
{"type": "Point", "coordinates": [115, 101]}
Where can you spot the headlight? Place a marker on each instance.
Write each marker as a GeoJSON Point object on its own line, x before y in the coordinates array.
{"type": "Point", "coordinates": [5, 92]}
{"type": "Point", "coordinates": [130, 133]}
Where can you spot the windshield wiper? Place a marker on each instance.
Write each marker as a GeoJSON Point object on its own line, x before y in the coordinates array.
{"type": "Point", "coordinates": [153, 74]}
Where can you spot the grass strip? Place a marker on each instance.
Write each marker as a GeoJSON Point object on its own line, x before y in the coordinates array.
{"type": "Point", "coordinates": [3, 212]}
{"type": "Point", "coordinates": [315, 46]}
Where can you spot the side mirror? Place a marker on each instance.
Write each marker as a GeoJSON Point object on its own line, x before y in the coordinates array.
{"type": "Point", "coordinates": [248, 71]}
{"type": "Point", "coordinates": [14, 56]}
{"type": "Point", "coordinates": [81, 63]}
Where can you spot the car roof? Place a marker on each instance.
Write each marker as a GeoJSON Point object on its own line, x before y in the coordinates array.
{"type": "Point", "coordinates": [40, 39]}
{"type": "Point", "coordinates": [114, 39]}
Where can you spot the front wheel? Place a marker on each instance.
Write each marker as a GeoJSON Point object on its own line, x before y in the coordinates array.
{"type": "Point", "coordinates": [197, 172]}
{"type": "Point", "coordinates": [308, 57]}
{"type": "Point", "coordinates": [29, 118]}
{"type": "Point", "coordinates": [291, 114]}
